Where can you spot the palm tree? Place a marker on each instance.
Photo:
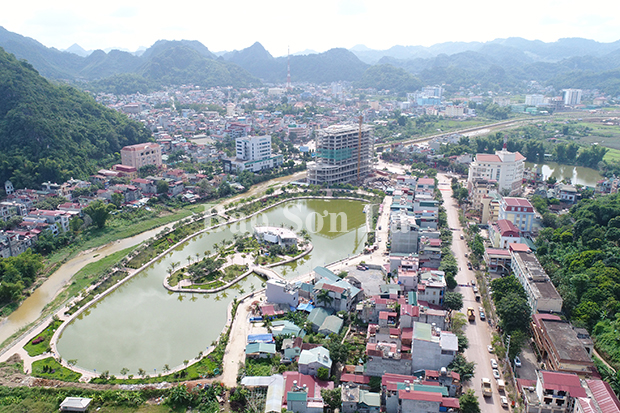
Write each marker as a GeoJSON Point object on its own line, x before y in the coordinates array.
{"type": "Point", "coordinates": [141, 372]}
{"type": "Point", "coordinates": [124, 371]}
{"type": "Point", "coordinates": [324, 297]}
{"type": "Point", "coordinates": [189, 259]}
{"type": "Point", "coordinates": [166, 368]}
{"type": "Point", "coordinates": [197, 256]}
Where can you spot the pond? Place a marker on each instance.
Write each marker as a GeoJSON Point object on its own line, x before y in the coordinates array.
{"type": "Point", "coordinates": [578, 175]}
{"type": "Point", "coordinates": [144, 326]}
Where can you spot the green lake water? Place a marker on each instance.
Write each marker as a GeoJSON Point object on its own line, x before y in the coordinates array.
{"type": "Point", "coordinates": [143, 325]}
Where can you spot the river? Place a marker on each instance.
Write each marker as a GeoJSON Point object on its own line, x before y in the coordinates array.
{"type": "Point", "coordinates": [578, 175]}
{"type": "Point", "coordinates": [142, 325]}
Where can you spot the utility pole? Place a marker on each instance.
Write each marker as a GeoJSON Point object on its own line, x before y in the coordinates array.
{"type": "Point", "coordinates": [508, 348]}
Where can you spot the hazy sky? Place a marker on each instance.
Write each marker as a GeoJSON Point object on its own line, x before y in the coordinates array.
{"type": "Point", "coordinates": [316, 24]}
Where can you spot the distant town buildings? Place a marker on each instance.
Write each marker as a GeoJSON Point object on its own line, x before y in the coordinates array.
{"type": "Point", "coordinates": [534, 100]}
{"type": "Point", "coordinates": [572, 97]}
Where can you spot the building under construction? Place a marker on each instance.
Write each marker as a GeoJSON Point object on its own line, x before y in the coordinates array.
{"type": "Point", "coordinates": [343, 155]}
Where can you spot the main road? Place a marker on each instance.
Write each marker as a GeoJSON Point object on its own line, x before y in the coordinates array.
{"type": "Point", "coordinates": [478, 332]}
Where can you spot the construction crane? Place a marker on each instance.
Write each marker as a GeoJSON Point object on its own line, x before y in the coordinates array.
{"type": "Point", "coordinates": [359, 150]}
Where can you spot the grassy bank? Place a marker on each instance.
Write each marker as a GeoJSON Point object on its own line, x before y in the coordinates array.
{"type": "Point", "coordinates": [41, 343]}
{"type": "Point", "coordinates": [91, 274]}
{"type": "Point", "coordinates": [49, 368]}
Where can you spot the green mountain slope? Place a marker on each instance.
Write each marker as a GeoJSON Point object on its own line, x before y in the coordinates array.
{"type": "Point", "coordinates": [387, 77]}
{"type": "Point", "coordinates": [164, 63]}
{"type": "Point", "coordinates": [179, 64]}
{"type": "Point", "coordinates": [52, 132]}
{"type": "Point", "coordinates": [331, 66]}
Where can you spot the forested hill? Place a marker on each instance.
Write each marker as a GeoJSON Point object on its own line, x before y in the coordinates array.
{"type": "Point", "coordinates": [164, 63]}
{"type": "Point", "coordinates": [51, 132]}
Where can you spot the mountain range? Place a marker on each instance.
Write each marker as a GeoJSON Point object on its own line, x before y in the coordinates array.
{"type": "Point", "coordinates": [501, 64]}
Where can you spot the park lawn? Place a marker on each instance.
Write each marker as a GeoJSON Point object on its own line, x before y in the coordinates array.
{"type": "Point", "coordinates": [175, 278]}
{"type": "Point", "coordinates": [233, 271]}
{"type": "Point", "coordinates": [206, 286]}
{"type": "Point", "coordinates": [58, 372]}
{"type": "Point", "coordinates": [46, 335]}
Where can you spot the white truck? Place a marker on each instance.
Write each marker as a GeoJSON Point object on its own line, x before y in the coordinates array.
{"type": "Point", "coordinates": [486, 387]}
{"type": "Point", "coordinates": [501, 386]}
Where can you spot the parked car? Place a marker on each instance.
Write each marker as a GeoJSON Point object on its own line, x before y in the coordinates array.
{"type": "Point", "coordinates": [490, 348]}
{"type": "Point", "coordinates": [465, 255]}
{"type": "Point", "coordinates": [469, 267]}
{"type": "Point", "coordinates": [482, 316]}
{"type": "Point", "coordinates": [517, 361]}
{"type": "Point", "coordinates": [462, 237]}
{"type": "Point", "coordinates": [503, 401]}
{"type": "Point", "coordinates": [493, 363]}
{"type": "Point", "coordinates": [496, 374]}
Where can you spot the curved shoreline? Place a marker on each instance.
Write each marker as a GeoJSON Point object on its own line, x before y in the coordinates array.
{"type": "Point", "coordinates": [253, 269]}
{"type": "Point", "coordinates": [133, 273]}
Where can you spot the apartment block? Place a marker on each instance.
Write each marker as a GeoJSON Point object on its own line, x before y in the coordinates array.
{"type": "Point", "coordinates": [141, 154]}
{"type": "Point", "coordinates": [343, 155]}
{"type": "Point", "coordinates": [519, 211]}
{"type": "Point", "coordinates": [253, 153]}
{"type": "Point", "coordinates": [503, 167]}
{"type": "Point", "coordinates": [541, 293]}
{"type": "Point", "coordinates": [572, 97]}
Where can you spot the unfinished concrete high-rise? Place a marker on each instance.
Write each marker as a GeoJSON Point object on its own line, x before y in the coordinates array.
{"type": "Point", "coordinates": [343, 155]}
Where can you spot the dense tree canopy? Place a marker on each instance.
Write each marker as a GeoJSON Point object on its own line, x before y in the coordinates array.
{"type": "Point", "coordinates": [582, 257]}
{"type": "Point", "coordinates": [51, 132]}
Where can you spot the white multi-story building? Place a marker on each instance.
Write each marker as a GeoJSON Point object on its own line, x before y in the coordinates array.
{"type": "Point", "coordinates": [572, 96]}
{"type": "Point", "coordinates": [281, 292]}
{"type": "Point", "coordinates": [505, 168]}
{"type": "Point", "coordinates": [343, 155]}
{"type": "Point", "coordinates": [253, 153]}
{"type": "Point", "coordinates": [534, 100]}
{"type": "Point", "coordinates": [253, 148]}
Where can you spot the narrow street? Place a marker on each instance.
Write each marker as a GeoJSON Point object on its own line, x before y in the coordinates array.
{"type": "Point", "coordinates": [478, 332]}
